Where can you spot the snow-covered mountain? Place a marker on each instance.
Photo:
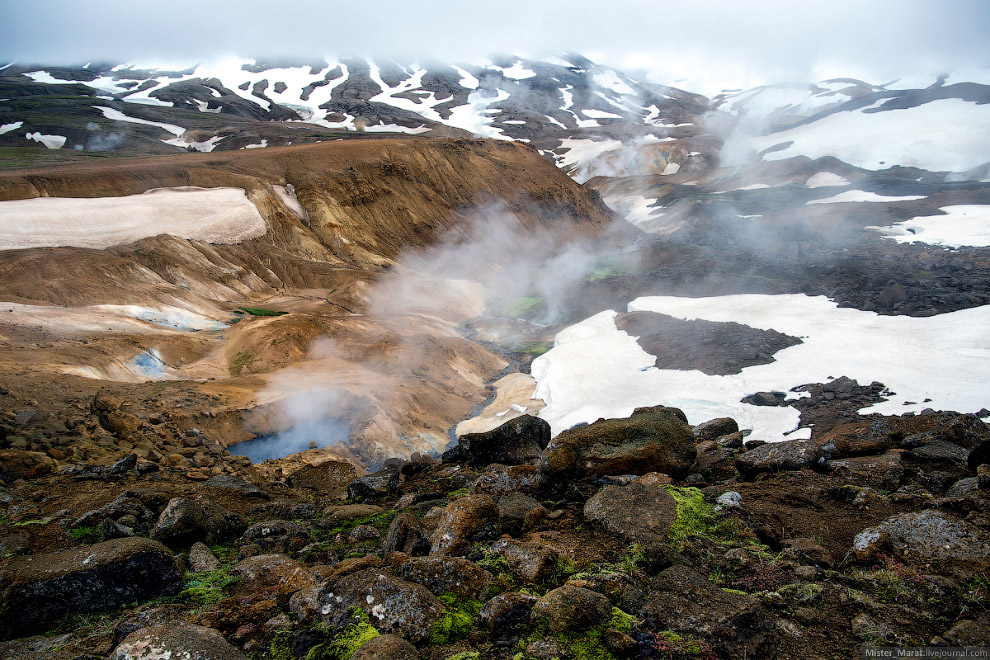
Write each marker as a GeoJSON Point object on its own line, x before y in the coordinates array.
{"type": "Point", "coordinates": [218, 106]}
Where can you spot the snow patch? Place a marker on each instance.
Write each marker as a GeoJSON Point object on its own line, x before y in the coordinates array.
{"type": "Point", "coordinates": [7, 128]}
{"type": "Point", "coordinates": [941, 135]}
{"type": "Point", "coordinates": [117, 115]}
{"type": "Point", "coordinates": [961, 226]}
{"type": "Point", "coordinates": [863, 196]}
{"type": "Point", "coordinates": [825, 179]}
{"type": "Point", "coordinates": [596, 370]}
{"type": "Point", "coordinates": [50, 141]}
{"type": "Point", "coordinates": [214, 215]}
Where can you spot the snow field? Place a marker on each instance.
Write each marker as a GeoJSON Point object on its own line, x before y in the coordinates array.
{"type": "Point", "coordinates": [214, 215]}
{"type": "Point", "coordinates": [595, 370]}
{"type": "Point", "coordinates": [960, 226]}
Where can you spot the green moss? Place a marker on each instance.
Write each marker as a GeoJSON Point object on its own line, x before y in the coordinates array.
{"type": "Point", "coordinates": [622, 621]}
{"type": "Point", "coordinates": [522, 306]}
{"type": "Point", "coordinates": [696, 517]}
{"type": "Point", "coordinates": [261, 311]}
{"type": "Point", "coordinates": [207, 588]}
{"type": "Point", "coordinates": [82, 533]}
{"type": "Point", "coordinates": [241, 360]}
{"type": "Point", "coordinates": [457, 621]}
{"type": "Point", "coordinates": [466, 655]}
{"type": "Point", "coordinates": [281, 647]}
{"type": "Point", "coordinates": [380, 521]}
{"type": "Point", "coordinates": [535, 347]}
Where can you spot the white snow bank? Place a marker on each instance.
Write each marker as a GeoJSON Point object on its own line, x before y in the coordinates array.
{"type": "Point", "coordinates": [214, 215]}
{"type": "Point", "coordinates": [117, 115]}
{"type": "Point", "coordinates": [962, 225]}
{"type": "Point", "coordinates": [608, 79]}
{"type": "Point", "coordinates": [7, 128]}
{"type": "Point", "coordinates": [823, 179]}
{"type": "Point", "coordinates": [941, 135]}
{"type": "Point", "coordinates": [595, 370]}
{"type": "Point", "coordinates": [205, 146]}
{"type": "Point", "coordinates": [863, 196]}
{"type": "Point", "coordinates": [50, 141]}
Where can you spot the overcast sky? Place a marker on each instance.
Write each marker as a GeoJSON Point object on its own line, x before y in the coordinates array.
{"type": "Point", "coordinates": [705, 45]}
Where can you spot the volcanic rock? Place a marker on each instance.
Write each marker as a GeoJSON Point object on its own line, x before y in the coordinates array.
{"type": "Point", "coordinates": [392, 604]}
{"type": "Point", "coordinates": [380, 484]}
{"type": "Point", "coordinates": [654, 439]}
{"type": "Point", "coordinates": [570, 608]}
{"type": "Point", "coordinates": [638, 513]}
{"type": "Point", "coordinates": [40, 588]}
{"type": "Point", "coordinates": [386, 647]}
{"type": "Point", "coordinates": [447, 575]}
{"type": "Point", "coordinates": [780, 456]}
{"type": "Point", "coordinates": [181, 640]}
{"type": "Point", "coordinates": [518, 441]}
{"type": "Point", "coordinates": [467, 519]}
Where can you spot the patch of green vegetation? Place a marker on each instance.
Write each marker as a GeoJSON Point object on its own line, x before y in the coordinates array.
{"type": "Point", "coordinates": [522, 306]}
{"type": "Point", "coordinates": [207, 588]}
{"type": "Point", "coordinates": [457, 621]}
{"type": "Point", "coordinates": [609, 268]}
{"type": "Point", "coordinates": [801, 591]}
{"type": "Point", "coordinates": [261, 311]}
{"type": "Point", "coordinates": [503, 579]}
{"type": "Point", "coordinates": [460, 492]}
{"type": "Point", "coordinates": [34, 521]}
{"type": "Point", "coordinates": [240, 361]}
{"type": "Point", "coordinates": [622, 621]}
{"type": "Point", "coordinates": [466, 655]}
{"type": "Point", "coordinates": [672, 646]}
{"type": "Point", "coordinates": [535, 348]}
{"type": "Point", "coordinates": [696, 517]}
{"type": "Point", "coordinates": [380, 521]}
{"type": "Point", "coordinates": [82, 533]}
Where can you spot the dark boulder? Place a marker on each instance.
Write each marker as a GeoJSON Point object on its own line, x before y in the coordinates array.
{"type": "Point", "coordinates": [685, 602]}
{"type": "Point", "coordinates": [571, 608]}
{"type": "Point", "coordinates": [654, 439]}
{"type": "Point", "coordinates": [781, 457]}
{"type": "Point", "coordinates": [518, 441]}
{"type": "Point", "coordinates": [386, 647]}
{"type": "Point", "coordinates": [464, 521]}
{"type": "Point", "coordinates": [447, 575]}
{"type": "Point", "coordinates": [41, 588]}
{"type": "Point", "coordinates": [638, 513]}
{"type": "Point", "coordinates": [380, 484]}
{"type": "Point", "coordinates": [186, 521]}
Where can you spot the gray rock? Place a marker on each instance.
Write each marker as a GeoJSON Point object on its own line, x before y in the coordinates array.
{"type": "Point", "coordinates": [40, 588]}
{"type": "Point", "coordinates": [715, 428]}
{"type": "Point", "coordinates": [227, 482]}
{"type": "Point", "coordinates": [571, 608]}
{"type": "Point", "coordinates": [124, 465]}
{"type": "Point", "coordinates": [940, 451]}
{"type": "Point", "coordinates": [884, 471]}
{"type": "Point", "coordinates": [507, 615]}
{"type": "Point", "coordinates": [687, 603]}
{"type": "Point", "coordinates": [463, 521]}
{"type": "Point", "coordinates": [201, 559]}
{"type": "Point", "coordinates": [447, 575]}
{"type": "Point", "coordinates": [529, 561]}
{"type": "Point", "coordinates": [380, 484]}
{"type": "Point", "coordinates": [518, 441]}
{"type": "Point", "coordinates": [651, 440]}
{"type": "Point", "coordinates": [335, 515]}
{"type": "Point", "coordinates": [924, 536]}
{"type": "Point", "coordinates": [181, 640]}
{"type": "Point", "coordinates": [392, 604]}
{"type": "Point", "coordinates": [185, 521]}
{"type": "Point", "coordinates": [404, 534]}
{"type": "Point", "coordinates": [637, 512]}
{"type": "Point", "coordinates": [111, 529]}
{"type": "Point", "coordinates": [277, 535]}
{"type": "Point", "coordinates": [780, 457]}
{"type": "Point", "coordinates": [500, 480]}
{"type": "Point", "coordinates": [386, 647]}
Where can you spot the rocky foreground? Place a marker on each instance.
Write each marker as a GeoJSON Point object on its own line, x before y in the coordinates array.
{"type": "Point", "coordinates": [631, 538]}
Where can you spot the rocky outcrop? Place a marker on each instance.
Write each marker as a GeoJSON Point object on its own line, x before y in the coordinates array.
{"type": "Point", "coordinates": [186, 521]}
{"type": "Point", "coordinates": [38, 589]}
{"type": "Point", "coordinates": [467, 519]}
{"type": "Point", "coordinates": [650, 440]}
{"type": "Point", "coordinates": [519, 441]}
{"type": "Point", "coordinates": [572, 608]}
{"type": "Point", "coordinates": [781, 456]}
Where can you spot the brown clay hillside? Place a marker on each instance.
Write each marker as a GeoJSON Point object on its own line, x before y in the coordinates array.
{"type": "Point", "coordinates": [337, 215]}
